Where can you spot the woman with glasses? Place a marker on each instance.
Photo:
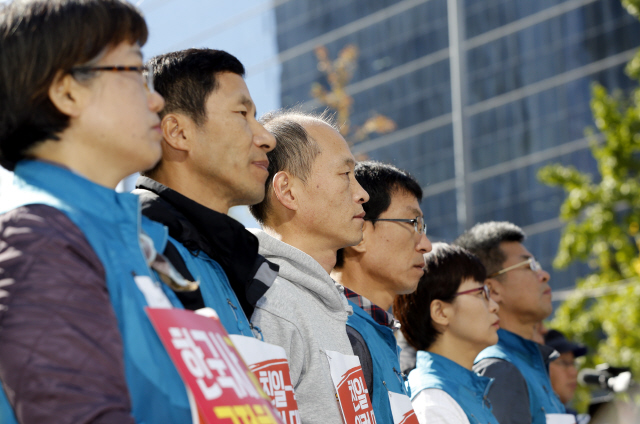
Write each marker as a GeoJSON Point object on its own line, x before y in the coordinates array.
{"type": "Point", "coordinates": [449, 319]}
{"type": "Point", "coordinates": [78, 264]}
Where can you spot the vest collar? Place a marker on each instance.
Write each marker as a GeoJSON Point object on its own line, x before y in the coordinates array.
{"type": "Point", "coordinates": [456, 375]}
{"type": "Point", "coordinates": [530, 350]}
{"type": "Point", "coordinates": [73, 189]}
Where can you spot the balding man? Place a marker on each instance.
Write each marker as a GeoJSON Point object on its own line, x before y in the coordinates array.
{"type": "Point", "coordinates": [312, 208]}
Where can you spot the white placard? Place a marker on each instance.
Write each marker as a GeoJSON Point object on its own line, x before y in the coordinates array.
{"type": "Point", "coordinates": [561, 419]}
{"type": "Point", "coordinates": [401, 409]}
{"type": "Point", "coordinates": [353, 395]}
{"type": "Point", "coordinates": [270, 365]}
{"type": "Point", "coordinates": [152, 292]}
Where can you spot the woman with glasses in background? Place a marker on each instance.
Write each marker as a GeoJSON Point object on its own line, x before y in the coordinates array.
{"type": "Point", "coordinates": [449, 319]}
{"type": "Point", "coordinates": [78, 263]}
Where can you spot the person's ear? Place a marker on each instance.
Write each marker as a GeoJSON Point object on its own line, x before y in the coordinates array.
{"type": "Point", "coordinates": [440, 313]}
{"type": "Point", "coordinates": [284, 191]}
{"type": "Point", "coordinates": [67, 94]}
{"type": "Point", "coordinates": [496, 289]}
{"type": "Point", "coordinates": [176, 129]}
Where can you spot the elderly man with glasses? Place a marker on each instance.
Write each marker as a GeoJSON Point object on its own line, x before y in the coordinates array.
{"type": "Point", "coordinates": [388, 262]}
{"type": "Point", "coordinates": [522, 392]}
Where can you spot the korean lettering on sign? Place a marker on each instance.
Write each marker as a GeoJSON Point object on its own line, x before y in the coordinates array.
{"type": "Point", "coordinates": [351, 389]}
{"type": "Point", "coordinates": [269, 363]}
{"type": "Point", "coordinates": [224, 388]}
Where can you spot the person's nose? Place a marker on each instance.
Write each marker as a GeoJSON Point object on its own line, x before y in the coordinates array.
{"type": "Point", "coordinates": [544, 276]}
{"type": "Point", "coordinates": [360, 194]}
{"type": "Point", "coordinates": [424, 245]}
{"type": "Point", "coordinates": [155, 101]}
{"type": "Point", "coordinates": [263, 138]}
{"type": "Point", "coordinates": [493, 306]}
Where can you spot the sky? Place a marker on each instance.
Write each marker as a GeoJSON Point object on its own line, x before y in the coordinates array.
{"type": "Point", "coordinates": [244, 28]}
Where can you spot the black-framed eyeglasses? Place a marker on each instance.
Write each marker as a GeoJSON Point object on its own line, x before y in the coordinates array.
{"type": "Point", "coordinates": [419, 225]}
{"type": "Point", "coordinates": [486, 292]}
{"type": "Point", "coordinates": [144, 71]}
{"type": "Point", "coordinates": [533, 266]}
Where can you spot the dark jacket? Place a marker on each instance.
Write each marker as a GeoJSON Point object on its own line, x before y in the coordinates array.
{"type": "Point", "coordinates": [220, 237]}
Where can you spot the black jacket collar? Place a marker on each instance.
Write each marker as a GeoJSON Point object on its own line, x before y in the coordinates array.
{"type": "Point", "coordinates": [199, 228]}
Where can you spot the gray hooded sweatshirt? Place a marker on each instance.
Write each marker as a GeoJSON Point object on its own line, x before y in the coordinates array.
{"type": "Point", "coordinates": [306, 314]}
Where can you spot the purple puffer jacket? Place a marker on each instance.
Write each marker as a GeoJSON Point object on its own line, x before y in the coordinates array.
{"type": "Point", "coordinates": [61, 357]}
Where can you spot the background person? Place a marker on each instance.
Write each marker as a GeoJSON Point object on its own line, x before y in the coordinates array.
{"type": "Point", "coordinates": [312, 208]}
{"type": "Point", "coordinates": [521, 393]}
{"type": "Point", "coordinates": [387, 262]}
{"type": "Point", "coordinates": [76, 117]}
{"type": "Point", "coordinates": [563, 371]}
{"type": "Point", "coordinates": [449, 319]}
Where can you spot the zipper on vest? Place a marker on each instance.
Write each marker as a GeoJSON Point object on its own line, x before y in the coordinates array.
{"type": "Point", "coordinates": [233, 309]}
{"type": "Point", "coordinates": [235, 314]}
{"type": "Point", "coordinates": [485, 398]}
{"type": "Point", "coordinates": [256, 331]}
{"type": "Point", "coordinates": [477, 420]}
{"type": "Point", "coordinates": [402, 377]}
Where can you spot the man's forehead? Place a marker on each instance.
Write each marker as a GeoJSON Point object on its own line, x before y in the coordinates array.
{"type": "Point", "coordinates": [330, 142]}
{"type": "Point", "coordinates": [404, 201]}
{"type": "Point", "coordinates": [514, 251]}
{"type": "Point", "coordinates": [231, 87]}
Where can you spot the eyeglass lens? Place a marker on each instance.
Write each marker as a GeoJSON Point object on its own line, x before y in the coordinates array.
{"type": "Point", "coordinates": [486, 292]}
{"type": "Point", "coordinates": [148, 80]}
{"type": "Point", "coordinates": [420, 225]}
{"type": "Point", "coordinates": [535, 265]}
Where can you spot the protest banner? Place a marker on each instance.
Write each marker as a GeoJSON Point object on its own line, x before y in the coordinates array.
{"type": "Point", "coordinates": [351, 389]}
{"type": "Point", "coordinates": [224, 388]}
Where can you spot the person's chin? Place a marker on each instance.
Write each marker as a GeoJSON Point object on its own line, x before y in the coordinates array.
{"type": "Point", "coordinates": [354, 239]}
{"type": "Point", "coordinates": [546, 308]}
{"type": "Point", "coordinates": [493, 339]}
{"type": "Point", "coordinates": [150, 159]}
{"type": "Point", "coordinates": [255, 195]}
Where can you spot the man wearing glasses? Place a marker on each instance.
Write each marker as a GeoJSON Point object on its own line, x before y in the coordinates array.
{"type": "Point", "coordinates": [521, 392]}
{"type": "Point", "coordinates": [388, 262]}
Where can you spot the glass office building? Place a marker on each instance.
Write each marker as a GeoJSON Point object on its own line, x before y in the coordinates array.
{"type": "Point", "coordinates": [484, 93]}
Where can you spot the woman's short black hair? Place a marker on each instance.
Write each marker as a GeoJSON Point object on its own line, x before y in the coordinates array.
{"type": "Point", "coordinates": [38, 40]}
{"type": "Point", "coordinates": [446, 268]}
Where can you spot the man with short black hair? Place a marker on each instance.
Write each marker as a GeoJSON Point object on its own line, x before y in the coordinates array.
{"type": "Point", "coordinates": [312, 208]}
{"type": "Point", "coordinates": [214, 156]}
{"type": "Point", "coordinates": [521, 392]}
{"type": "Point", "coordinates": [387, 262]}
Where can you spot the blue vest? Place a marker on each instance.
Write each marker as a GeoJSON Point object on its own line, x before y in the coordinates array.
{"type": "Point", "coordinates": [384, 355]}
{"type": "Point", "coordinates": [216, 290]}
{"type": "Point", "coordinates": [111, 223]}
{"type": "Point", "coordinates": [469, 390]}
{"type": "Point", "coordinates": [526, 356]}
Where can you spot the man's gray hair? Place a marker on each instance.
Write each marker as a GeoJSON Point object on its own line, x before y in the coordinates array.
{"type": "Point", "coordinates": [295, 150]}
{"type": "Point", "coordinates": [483, 240]}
